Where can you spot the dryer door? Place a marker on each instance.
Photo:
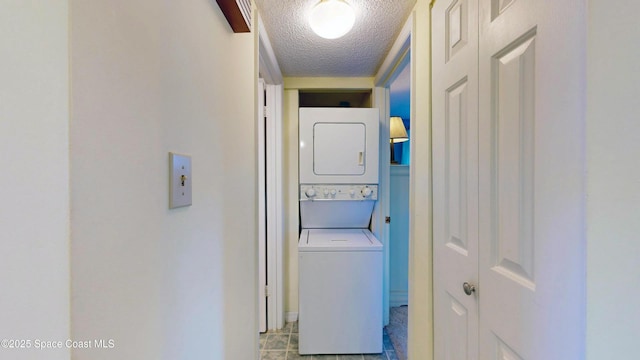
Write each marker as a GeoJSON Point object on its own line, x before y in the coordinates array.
{"type": "Point", "coordinates": [339, 148]}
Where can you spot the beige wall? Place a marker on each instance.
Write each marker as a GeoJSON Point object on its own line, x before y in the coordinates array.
{"type": "Point", "coordinates": [34, 158]}
{"type": "Point", "coordinates": [420, 226]}
{"type": "Point", "coordinates": [148, 78]}
{"type": "Point", "coordinates": [291, 214]}
{"type": "Point", "coordinates": [613, 180]}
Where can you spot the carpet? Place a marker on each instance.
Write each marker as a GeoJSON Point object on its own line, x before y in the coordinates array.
{"type": "Point", "coordinates": [397, 330]}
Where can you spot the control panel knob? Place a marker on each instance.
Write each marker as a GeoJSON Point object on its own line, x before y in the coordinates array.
{"type": "Point", "coordinates": [333, 192]}
{"type": "Point", "coordinates": [366, 192]}
{"type": "Point", "coordinates": [311, 192]}
{"type": "Point", "coordinates": [326, 192]}
{"type": "Point", "coordinates": [352, 193]}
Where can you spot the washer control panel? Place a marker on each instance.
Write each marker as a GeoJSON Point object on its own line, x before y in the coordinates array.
{"type": "Point", "coordinates": [339, 192]}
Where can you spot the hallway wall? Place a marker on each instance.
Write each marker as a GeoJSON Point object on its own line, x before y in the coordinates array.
{"type": "Point", "coordinates": [148, 78]}
{"type": "Point", "coordinates": [34, 158]}
{"type": "Point", "coordinates": [613, 177]}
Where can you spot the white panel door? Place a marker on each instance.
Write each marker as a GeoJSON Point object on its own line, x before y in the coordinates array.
{"type": "Point", "coordinates": [531, 179]}
{"type": "Point", "coordinates": [508, 199]}
{"type": "Point", "coordinates": [455, 177]}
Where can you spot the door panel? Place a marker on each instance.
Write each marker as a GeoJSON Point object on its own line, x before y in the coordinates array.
{"type": "Point", "coordinates": [455, 171]}
{"type": "Point", "coordinates": [455, 177]}
{"type": "Point", "coordinates": [512, 169]}
{"type": "Point", "coordinates": [457, 331]}
{"type": "Point", "coordinates": [504, 352]}
{"type": "Point", "coordinates": [530, 181]}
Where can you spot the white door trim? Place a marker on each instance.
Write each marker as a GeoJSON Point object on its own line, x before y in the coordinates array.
{"type": "Point", "coordinates": [262, 251]}
{"type": "Point", "coordinates": [394, 62]}
{"type": "Point", "coordinates": [396, 58]}
{"type": "Point", "coordinates": [420, 332]}
{"type": "Point", "coordinates": [275, 208]}
{"type": "Point", "coordinates": [269, 68]}
{"type": "Point", "coordinates": [415, 36]}
{"type": "Point", "coordinates": [381, 209]}
{"type": "Point", "coordinates": [270, 72]}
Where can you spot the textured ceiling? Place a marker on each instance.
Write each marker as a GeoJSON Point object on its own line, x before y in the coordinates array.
{"type": "Point", "coordinates": [300, 52]}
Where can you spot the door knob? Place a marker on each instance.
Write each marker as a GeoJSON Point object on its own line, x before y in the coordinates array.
{"type": "Point", "coordinates": [468, 288]}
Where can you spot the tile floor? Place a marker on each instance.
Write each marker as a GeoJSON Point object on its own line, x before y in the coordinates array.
{"type": "Point", "coordinates": [283, 345]}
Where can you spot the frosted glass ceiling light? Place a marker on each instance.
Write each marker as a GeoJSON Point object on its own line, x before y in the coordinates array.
{"type": "Point", "coordinates": [332, 19]}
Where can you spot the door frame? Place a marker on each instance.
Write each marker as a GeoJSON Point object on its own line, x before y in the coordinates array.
{"type": "Point", "coordinates": [275, 208]}
{"type": "Point", "coordinates": [394, 62]}
{"type": "Point", "coordinates": [273, 110]}
{"type": "Point", "coordinates": [262, 211]}
{"type": "Point", "coordinates": [416, 37]}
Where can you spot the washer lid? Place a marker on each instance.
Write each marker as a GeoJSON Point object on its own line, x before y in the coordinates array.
{"type": "Point", "coordinates": [338, 240]}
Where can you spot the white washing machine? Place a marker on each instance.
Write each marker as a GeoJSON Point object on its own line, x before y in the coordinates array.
{"type": "Point", "coordinates": [340, 260]}
{"type": "Point", "coordinates": [340, 303]}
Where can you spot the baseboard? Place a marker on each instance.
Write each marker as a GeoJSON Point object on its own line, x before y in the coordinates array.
{"type": "Point", "coordinates": [398, 298]}
{"type": "Point", "coordinates": [291, 316]}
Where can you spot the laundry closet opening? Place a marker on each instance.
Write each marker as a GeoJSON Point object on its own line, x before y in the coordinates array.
{"type": "Point", "coordinates": [340, 286]}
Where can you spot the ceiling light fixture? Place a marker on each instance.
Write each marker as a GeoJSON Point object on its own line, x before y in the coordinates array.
{"type": "Point", "coordinates": [332, 19]}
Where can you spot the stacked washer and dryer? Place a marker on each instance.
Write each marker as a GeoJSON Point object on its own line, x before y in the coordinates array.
{"type": "Point", "coordinates": [340, 260]}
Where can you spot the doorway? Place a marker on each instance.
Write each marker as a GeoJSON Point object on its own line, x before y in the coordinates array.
{"type": "Point", "coordinates": [393, 97]}
{"type": "Point", "coordinates": [399, 180]}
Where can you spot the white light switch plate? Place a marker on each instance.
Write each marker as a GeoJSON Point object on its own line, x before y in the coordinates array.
{"type": "Point", "coordinates": [179, 180]}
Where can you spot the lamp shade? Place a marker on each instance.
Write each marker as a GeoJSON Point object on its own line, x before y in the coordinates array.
{"type": "Point", "coordinates": [397, 131]}
{"type": "Point", "coordinates": [332, 19]}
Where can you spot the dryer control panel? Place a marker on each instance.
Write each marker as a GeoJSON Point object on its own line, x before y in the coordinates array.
{"type": "Point", "coordinates": [338, 192]}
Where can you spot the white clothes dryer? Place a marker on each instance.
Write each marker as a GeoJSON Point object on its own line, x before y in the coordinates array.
{"type": "Point", "coordinates": [339, 145]}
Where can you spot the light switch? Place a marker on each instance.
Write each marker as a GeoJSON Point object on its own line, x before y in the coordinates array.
{"type": "Point", "coordinates": [179, 180]}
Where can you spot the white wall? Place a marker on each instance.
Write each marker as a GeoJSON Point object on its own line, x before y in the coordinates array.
{"type": "Point", "coordinates": [34, 141]}
{"type": "Point", "coordinates": [613, 180]}
{"type": "Point", "coordinates": [148, 78]}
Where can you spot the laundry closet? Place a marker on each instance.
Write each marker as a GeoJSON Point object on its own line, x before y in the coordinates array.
{"type": "Point", "coordinates": [340, 261]}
